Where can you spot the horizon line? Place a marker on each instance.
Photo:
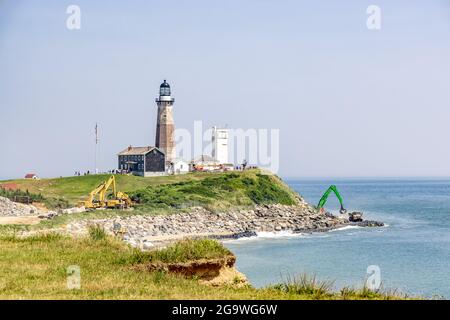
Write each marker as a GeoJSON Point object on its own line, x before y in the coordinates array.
{"type": "Point", "coordinates": [420, 177]}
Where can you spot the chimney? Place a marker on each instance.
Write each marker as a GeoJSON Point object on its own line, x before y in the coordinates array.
{"type": "Point", "coordinates": [129, 147]}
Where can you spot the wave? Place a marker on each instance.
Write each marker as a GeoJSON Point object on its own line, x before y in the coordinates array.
{"type": "Point", "coordinates": [278, 234]}
{"type": "Point", "coordinates": [265, 235]}
{"type": "Point", "coordinates": [345, 228]}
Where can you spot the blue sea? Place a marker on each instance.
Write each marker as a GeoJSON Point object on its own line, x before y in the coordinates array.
{"type": "Point", "coordinates": [412, 251]}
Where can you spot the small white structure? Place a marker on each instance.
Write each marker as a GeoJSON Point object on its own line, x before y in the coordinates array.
{"type": "Point", "coordinates": [31, 176]}
{"type": "Point", "coordinates": [180, 166]}
{"type": "Point", "coordinates": [220, 144]}
{"type": "Point", "coordinates": [205, 163]}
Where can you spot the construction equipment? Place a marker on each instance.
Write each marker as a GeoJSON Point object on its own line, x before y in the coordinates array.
{"type": "Point", "coordinates": [92, 202]}
{"type": "Point", "coordinates": [355, 216]}
{"type": "Point", "coordinates": [324, 198]}
{"type": "Point", "coordinates": [98, 198]}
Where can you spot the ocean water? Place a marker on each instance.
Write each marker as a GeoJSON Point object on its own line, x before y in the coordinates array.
{"type": "Point", "coordinates": [412, 251]}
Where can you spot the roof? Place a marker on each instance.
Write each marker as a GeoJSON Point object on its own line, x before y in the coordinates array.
{"type": "Point", "coordinates": [176, 160]}
{"type": "Point", "coordinates": [164, 85]}
{"type": "Point", "coordinates": [30, 175]}
{"type": "Point", "coordinates": [137, 151]}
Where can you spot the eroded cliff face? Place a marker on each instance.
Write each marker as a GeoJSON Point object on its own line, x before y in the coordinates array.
{"type": "Point", "coordinates": [215, 272]}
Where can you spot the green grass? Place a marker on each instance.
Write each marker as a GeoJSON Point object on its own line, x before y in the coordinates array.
{"type": "Point", "coordinates": [74, 189]}
{"type": "Point", "coordinates": [219, 192]}
{"type": "Point", "coordinates": [193, 188]}
{"type": "Point", "coordinates": [181, 251]}
{"type": "Point", "coordinates": [36, 268]}
{"type": "Point", "coordinates": [305, 284]}
{"type": "Point", "coordinates": [309, 285]}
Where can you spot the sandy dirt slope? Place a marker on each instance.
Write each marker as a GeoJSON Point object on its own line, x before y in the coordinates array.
{"type": "Point", "coordinates": [19, 220]}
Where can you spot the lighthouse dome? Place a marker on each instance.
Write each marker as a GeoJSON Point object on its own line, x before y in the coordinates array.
{"type": "Point", "coordinates": [164, 89]}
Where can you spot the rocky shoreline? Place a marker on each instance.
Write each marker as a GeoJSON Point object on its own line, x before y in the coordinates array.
{"type": "Point", "coordinates": [147, 231]}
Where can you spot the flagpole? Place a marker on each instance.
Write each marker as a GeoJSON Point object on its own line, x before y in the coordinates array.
{"type": "Point", "coordinates": [96, 146]}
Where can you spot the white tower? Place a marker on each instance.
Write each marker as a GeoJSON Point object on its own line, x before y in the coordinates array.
{"type": "Point", "coordinates": [220, 144]}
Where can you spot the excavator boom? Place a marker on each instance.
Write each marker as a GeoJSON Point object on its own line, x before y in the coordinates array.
{"type": "Point", "coordinates": [107, 185]}
{"type": "Point", "coordinates": [324, 198]}
{"type": "Point", "coordinates": [91, 202]}
{"type": "Point", "coordinates": [119, 199]}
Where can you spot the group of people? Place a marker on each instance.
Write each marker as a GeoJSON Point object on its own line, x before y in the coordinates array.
{"type": "Point", "coordinates": [113, 171]}
{"type": "Point", "coordinates": [245, 166]}
{"type": "Point", "coordinates": [242, 167]}
{"type": "Point", "coordinates": [78, 173]}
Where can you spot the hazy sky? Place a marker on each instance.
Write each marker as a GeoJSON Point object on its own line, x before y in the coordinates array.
{"type": "Point", "coordinates": [348, 101]}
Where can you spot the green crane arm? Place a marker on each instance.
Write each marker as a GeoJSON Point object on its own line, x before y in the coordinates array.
{"type": "Point", "coordinates": [324, 198]}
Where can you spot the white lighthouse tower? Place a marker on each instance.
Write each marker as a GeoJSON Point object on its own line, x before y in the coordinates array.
{"type": "Point", "coordinates": [220, 144]}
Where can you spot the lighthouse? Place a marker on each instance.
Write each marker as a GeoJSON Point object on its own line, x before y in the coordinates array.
{"type": "Point", "coordinates": [165, 126]}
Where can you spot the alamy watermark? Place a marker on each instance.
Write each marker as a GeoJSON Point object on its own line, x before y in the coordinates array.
{"type": "Point", "coordinates": [373, 281]}
{"type": "Point", "coordinates": [73, 277]}
{"type": "Point", "coordinates": [257, 147]}
{"type": "Point", "coordinates": [374, 19]}
{"type": "Point", "coordinates": [73, 21]}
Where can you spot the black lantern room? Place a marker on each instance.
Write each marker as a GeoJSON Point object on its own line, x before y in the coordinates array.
{"type": "Point", "coordinates": [164, 89]}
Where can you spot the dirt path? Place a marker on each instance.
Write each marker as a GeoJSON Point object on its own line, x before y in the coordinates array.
{"type": "Point", "coordinates": [19, 220]}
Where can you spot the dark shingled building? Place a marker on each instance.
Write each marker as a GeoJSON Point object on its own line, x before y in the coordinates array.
{"type": "Point", "coordinates": [142, 161]}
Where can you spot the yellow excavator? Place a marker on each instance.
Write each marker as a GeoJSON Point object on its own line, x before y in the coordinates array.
{"type": "Point", "coordinates": [98, 198]}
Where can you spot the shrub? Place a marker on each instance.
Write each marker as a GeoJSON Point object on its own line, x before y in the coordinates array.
{"type": "Point", "coordinates": [96, 232]}
{"type": "Point", "coordinates": [51, 203]}
{"type": "Point", "coordinates": [305, 284]}
{"type": "Point", "coordinates": [11, 194]}
{"type": "Point", "coordinates": [347, 292]}
{"type": "Point", "coordinates": [224, 190]}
